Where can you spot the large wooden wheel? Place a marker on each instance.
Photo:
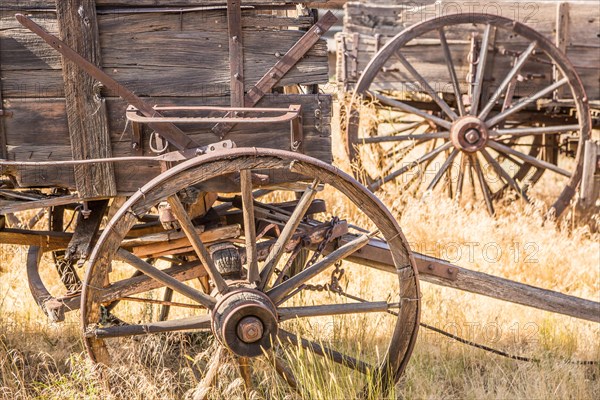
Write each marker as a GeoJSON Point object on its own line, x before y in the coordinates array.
{"type": "Point", "coordinates": [331, 318]}
{"type": "Point", "coordinates": [471, 100]}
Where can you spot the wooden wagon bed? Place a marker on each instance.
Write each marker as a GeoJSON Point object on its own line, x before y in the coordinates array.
{"type": "Point", "coordinates": [574, 26]}
{"type": "Point", "coordinates": [171, 55]}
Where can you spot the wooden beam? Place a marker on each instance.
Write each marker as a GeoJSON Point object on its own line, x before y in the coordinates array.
{"type": "Point", "coordinates": [3, 149]}
{"type": "Point", "coordinates": [236, 52]}
{"type": "Point", "coordinates": [86, 109]}
{"type": "Point", "coordinates": [44, 239]}
{"type": "Point", "coordinates": [444, 273]}
{"type": "Point", "coordinates": [86, 231]}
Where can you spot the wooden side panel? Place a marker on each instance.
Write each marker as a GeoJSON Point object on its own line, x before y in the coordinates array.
{"type": "Point", "coordinates": [159, 53]}
{"type": "Point", "coordinates": [86, 109]}
{"type": "Point", "coordinates": [33, 4]}
{"type": "Point", "coordinates": [30, 140]}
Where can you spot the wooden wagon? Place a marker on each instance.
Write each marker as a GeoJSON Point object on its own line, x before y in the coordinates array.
{"type": "Point", "coordinates": [181, 148]}
{"type": "Point", "coordinates": [182, 153]}
{"type": "Point", "coordinates": [479, 101]}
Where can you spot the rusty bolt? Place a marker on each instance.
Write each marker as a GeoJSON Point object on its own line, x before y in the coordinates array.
{"type": "Point", "coordinates": [472, 136]}
{"type": "Point", "coordinates": [250, 329]}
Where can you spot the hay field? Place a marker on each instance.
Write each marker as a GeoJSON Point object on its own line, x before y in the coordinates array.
{"type": "Point", "coordinates": [41, 360]}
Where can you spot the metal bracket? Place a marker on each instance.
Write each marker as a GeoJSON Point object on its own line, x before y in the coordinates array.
{"type": "Point", "coordinates": [3, 144]}
{"type": "Point", "coordinates": [136, 138]}
{"type": "Point", "coordinates": [354, 56]}
{"type": "Point", "coordinates": [232, 115]}
{"type": "Point", "coordinates": [297, 134]}
{"type": "Point", "coordinates": [281, 67]}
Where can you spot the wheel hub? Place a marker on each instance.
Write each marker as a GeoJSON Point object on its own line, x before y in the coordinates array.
{"type": "Point", "coordinates": [469, 134]}
{"type": "Point", "coordinates": [245, 321]}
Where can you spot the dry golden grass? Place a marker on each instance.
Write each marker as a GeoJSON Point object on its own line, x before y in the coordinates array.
{"type": "Point", "coordinates": [39, 360]}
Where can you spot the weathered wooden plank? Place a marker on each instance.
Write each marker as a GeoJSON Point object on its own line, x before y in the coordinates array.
{"type": "Point", "coordinates": [31, 140]}
{"type": "Point", "coordinates": [236, 53]}
{"type": "Point", "coordinates": [86, 230]}
{"type": "Point", "coordinates": [45, 4]}
{"type": "Point", "coordinates": [145, 65]}
{"type": "Point", "coordinates": [377, 254]}
{"type": "Point", "coordinates": [86, 110]}
{"type": "Point", "coordinates": [47, 240]}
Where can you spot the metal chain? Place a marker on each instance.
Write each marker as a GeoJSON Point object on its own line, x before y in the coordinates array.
{"type": "Point", "coordinates": [336, 275]}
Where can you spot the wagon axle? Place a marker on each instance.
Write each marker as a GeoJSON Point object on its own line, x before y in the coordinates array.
{"type": "Point", "coordinates": [469, 134]}
{"type": "Point", "coordinates": [245, 321]}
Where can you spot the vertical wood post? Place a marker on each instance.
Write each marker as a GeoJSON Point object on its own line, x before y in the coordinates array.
{"type": "Point", "coordinates": [236, 52]}
{"type": "Point", "coordinates": [86, 109]}
{"type": "Point", "coordinates": [3, 149]}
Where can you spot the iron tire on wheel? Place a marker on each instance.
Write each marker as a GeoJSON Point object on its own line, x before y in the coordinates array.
{"type": "Point", "coordinates": [267, 302]}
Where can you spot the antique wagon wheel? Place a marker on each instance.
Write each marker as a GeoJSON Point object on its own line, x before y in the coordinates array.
{"type": "Point", "coordinates": [52, 300]}
{"type": "Point", "coordinates": [494, 117]}
{"type": "Point", "coordinates": [361, 326]}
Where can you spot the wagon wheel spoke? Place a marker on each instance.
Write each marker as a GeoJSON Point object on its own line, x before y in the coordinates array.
{"type": "Point", "coordinates": [184, 324]}
{"type": "Point", "coordinates": [410, 109]}
{"type": "Point", "coordinates": [285, 372]}
{"type": "Point", "coordinates": [479, 75]}
{"type": "Point", "coordinates": [443, 169]}
{"type": "Point", "coordinates": [461, 177]}
{"type": "Point", "coordinates": [190, 232]}
{"type": "Point", "coordinates": [286, 313]}
{"type": "Point", "coordinates": [485, 189]}
{"type": "Point", "coordinates": [425, 85]}
{"type": "Point", "coordinates": [280, 291]}
{"type": "Point", "coordinates": [451, 71]}
{"type": "Point", "coordinates": [286, 233]}
{"type": "Point", "coordinates": [249, 225]}
{"type": "Point", "coordinates": [166, 279]}
{"type": "Point", "coordinates": [209, 379]}
{"type": "Point", "coordinates": [398, 155]}
{"type": "Point", "coordinates": [471, 176]}
{"type": "Point", "coordinates": [544, 130]}
{"type": "Point", "coordinates": [507, 80]}
{"type": "Point", "coordinates": [422, 136]}
{"type": "Point", "coordinates": [377, 184]}
{"type": "Point", "coordinates": [326, 352]}
{"type": "Point", "coordinates": [527, 158]}
{"type": "Point", "coordinates": [245, 368]}
{"type": "Point", "coordinates": [524, 102]}
{"type": "Point", "coordinates": [504, 175]}
{"type": "Point", "coordinates": [165, 308]}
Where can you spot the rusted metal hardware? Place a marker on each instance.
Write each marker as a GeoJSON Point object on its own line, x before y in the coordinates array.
{"type": "Point", "coordinates": [3, 149]}
{"type": "Point", "coordinates": [173, 134]}
{"type": "Point", "coordinates": [168, 157]}
{"type": "Point", "coordinates": [237, 115]}
{"type": "Point", "coordinates": [353, 65]}
{"type": "Point", "coordinates": [297, 135]}
{"type": "Point", "coordinates": [281, 67]}
{"type": "Point", "coordinates": [233, 115]}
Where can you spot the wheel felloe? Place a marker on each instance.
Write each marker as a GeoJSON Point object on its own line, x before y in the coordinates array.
{"type": "Point", "coordinates": [245, 321]}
